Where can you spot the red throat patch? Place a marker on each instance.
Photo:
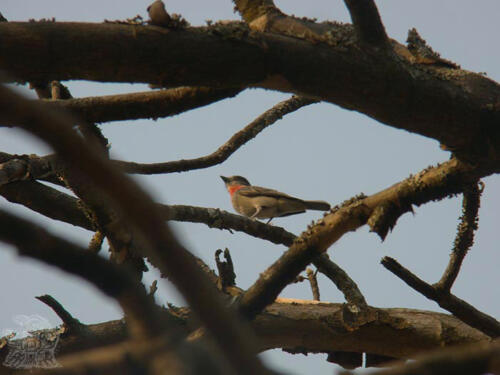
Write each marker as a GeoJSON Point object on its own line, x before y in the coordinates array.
{"type": "Point", "coordinates": [234, 188]}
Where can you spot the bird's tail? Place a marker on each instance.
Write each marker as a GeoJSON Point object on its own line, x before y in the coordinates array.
{"type": "Point", "coordinates": [317, 205]}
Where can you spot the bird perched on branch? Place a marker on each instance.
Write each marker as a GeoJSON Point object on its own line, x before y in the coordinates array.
{"type": "Point", "coordinates": [261, 203]}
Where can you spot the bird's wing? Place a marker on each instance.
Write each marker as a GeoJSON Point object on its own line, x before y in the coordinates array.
{"type": "Point", "coordinates": [256, 191]}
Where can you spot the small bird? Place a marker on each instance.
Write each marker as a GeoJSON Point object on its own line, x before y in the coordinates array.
{"type": "Point", "coordinates": [261, 203]}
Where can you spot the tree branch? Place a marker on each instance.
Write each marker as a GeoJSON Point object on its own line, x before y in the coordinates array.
{"type": "Point", "coordinates": [227, 149]}
{"type": "Point", "coordinates": [459, 308]}
{"type": "Point", "coordinates": [318, 327]}
{"type": "Point", "coordinates": [465, 237]}
{"type": "Point", "coordinates": [367, 22]}
{"type": "Point", "coordinates": [151, 104]}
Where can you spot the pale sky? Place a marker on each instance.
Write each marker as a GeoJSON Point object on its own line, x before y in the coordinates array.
{"type": "Point", "coordinates": [319, 152]}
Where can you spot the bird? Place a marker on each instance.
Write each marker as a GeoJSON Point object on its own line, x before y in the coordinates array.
{"type": "Point", "coordinates": [258, 202]}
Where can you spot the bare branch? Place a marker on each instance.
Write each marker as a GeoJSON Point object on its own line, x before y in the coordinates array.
{"type": "Point", "coordinates": [465, 236]}
{"type": "Point", "coordinates": [367, 22]}
{"type": "Point", "coordinates": [150, 104]}
{"type": "Point", "coordinates": [227, 149]}
{"type": "Point", "coordinates": [459, 308]}
{"type": "Point", "coordinates": [319, 327]}
{"type": "Point", "coordinates": [313, 281]}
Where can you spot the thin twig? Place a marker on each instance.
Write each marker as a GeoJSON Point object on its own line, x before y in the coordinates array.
{"type": "Point", "coordinates": [465, 236]}
{"type": "Point", "coordinates": [313, 281]}
{"type": "Point", "coordinates": [459, 308]}
{"type": "Point", "coordinates": [227, 149]}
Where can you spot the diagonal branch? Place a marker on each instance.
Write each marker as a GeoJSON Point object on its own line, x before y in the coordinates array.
{"type": "Point", "coordinates": [150, 104]}
{"type": "Point", "coordinates": [461, 309]}
{"type": "Point", "coordinates": [227, 149]}
{"type": "Point", "coordinates": [367, 22]}
{"type": "Point", "coordinates": [465, 237]}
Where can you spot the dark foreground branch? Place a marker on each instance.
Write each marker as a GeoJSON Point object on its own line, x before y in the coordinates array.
{"type": "Point", "coordinates": [132, 203]}
{"type": "Point", "coordinates": [459, 308]}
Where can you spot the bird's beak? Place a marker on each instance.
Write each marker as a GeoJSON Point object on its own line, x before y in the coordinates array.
{"type": "Point", "coordinates": [225, 179]}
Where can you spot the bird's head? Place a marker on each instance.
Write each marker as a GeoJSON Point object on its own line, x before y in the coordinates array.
{"type": "Point", "coordinates": [234, 183]}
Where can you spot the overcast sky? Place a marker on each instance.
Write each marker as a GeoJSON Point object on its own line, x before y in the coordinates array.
{"type": "Point", "coordinates": [319, 152]}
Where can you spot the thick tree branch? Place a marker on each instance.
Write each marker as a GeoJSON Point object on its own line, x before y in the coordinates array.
{"type": "Point", "coordinates": [367, 22]}
{"type": "Point", "coordinates": [132, 203]}
{"type": "Point", "coordinates": [465, 237]}
{"type": "Point", "coordinates": [151, 104]}
{"type": "Point", "coordinates": [431, 184]}
{"type": "Point", "coordinates": [227, 149]}
{"type": "Point", "coordinates": [318, 327]}
{"type": "Point", "coordinates": [456, 107]}
{"type": "Point", "coordinates": [461, 309]}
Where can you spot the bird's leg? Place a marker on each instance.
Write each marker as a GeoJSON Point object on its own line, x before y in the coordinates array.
{"type": "Point", "coordinates": [269, 220]}
{"type": "Point", "coordinates": [257, 211]}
